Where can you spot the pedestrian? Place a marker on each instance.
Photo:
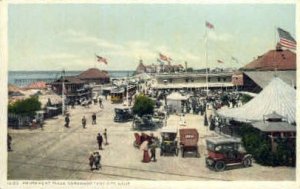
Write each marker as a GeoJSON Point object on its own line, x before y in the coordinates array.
{"type": "Point", "coordinates": [91, 161]}
{"type": "Point", "coordinates": [146, 157]}
{"type": "Point", "coordinates": [97, 159]}
{"type": "Point", "coordinates": [94, 117]}
{"type": "Point", "coordinates": [153, 153]}
{"type": "Point", "coordinates": [99, 140]}
{"type": "Point", "coordinates": [83, 122]}
{"type": "Point", "coordinates": [100, 103]}
{"type": "Point", "coordinates": [105, 136]}
{"type": "Point", "coordinates": [67, 121]}
{"type": "Point", "coordinates": [9, 140]}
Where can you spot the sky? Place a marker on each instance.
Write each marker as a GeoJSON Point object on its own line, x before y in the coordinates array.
{"type": "Point", "coordinates": [68, 36]}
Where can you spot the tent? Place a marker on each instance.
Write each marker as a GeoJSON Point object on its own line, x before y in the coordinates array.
{"type": "Point", "coordinates": [174, 101]}
{"type": "Point", "coordinates": [277, 97]}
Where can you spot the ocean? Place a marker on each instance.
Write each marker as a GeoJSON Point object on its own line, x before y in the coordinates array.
{"type": "Point", "coordinates": [23, 78]}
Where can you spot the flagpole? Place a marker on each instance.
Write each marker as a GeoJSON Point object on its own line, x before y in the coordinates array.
{"type": "Point", "coordinates": [63, 92]}
{"type": "Point", "coordinates": [206, 37]}
{"type": "Point", "coordinates": [95, 60]}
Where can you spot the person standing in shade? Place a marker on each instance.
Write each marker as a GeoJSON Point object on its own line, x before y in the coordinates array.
{"type": "Point", "coordinates": [83, 122]}
{"type": "Point", "coordinates": [94, 117]}
{"type": "Point", "coordinates": [99, 140]}
{"type": "Point", "coordinates": [9, 140]}
{"type": "Point", "coordinates": [67, 121]}
{"type": "Point", "coordinates": [105, 136]}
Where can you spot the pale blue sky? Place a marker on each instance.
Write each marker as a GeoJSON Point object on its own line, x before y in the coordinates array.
{"type": "Point", "coordinates": [53, 37]}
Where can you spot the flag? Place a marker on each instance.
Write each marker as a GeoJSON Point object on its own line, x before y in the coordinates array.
{"type": "Point", "coordinates": [286, 40]}
{"type": "Point", "coordinates": [209, 25]}
{"type": "Point", "coordinates": [101, 59]}
{"type": "Point", "coordinates": [220, 61]}
{"type": "Point", "coordinates": [164, 57]}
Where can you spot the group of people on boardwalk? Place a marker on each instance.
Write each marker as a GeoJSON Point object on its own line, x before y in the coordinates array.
{"type": "Point", "coordinates": [94, 160]}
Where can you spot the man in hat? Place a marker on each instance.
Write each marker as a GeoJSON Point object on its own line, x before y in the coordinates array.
{"type": "Point", "coordinates": [153, 153]}
{"type": "Point", "coordinates": [83, 120]}
{"type": "Point", "coordinates": [91, 161]}
{"type": "Point", "coordinates": [152, 145]}
{"type": "Point", "coordinates": [100, 103]}
{"type": "Point", "coordinates": [99, 140]}
{"type": "Point", "coordinates": [105, 136]}
{"type": "Point", "coordinates": [97, 159]}
{"type": "Point", "coordinates": [94, 117]}
{"type": "Point", "coordinates": [67, 121]}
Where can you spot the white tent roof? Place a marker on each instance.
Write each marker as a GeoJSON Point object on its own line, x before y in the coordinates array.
{"type": "Point", "coordinates": [176, 96]}
{"type": "Point", "coordinates": [277, 96]}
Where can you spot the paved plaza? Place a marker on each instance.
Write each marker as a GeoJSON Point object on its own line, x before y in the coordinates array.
{"type": "Point", "coordinates": [57, 152]}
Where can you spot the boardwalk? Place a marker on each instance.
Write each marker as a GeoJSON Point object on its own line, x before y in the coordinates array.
{"type": "Point", "coordinates": [60, 153]}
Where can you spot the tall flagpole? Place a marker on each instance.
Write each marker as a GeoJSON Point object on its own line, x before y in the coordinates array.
{"type": "Point", "coordinates": [63, 92]}
{"type": "Point", "coordinates": [206, 37]}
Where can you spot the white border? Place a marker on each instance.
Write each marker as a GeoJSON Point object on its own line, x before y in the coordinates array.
{"type": "Point", "coordinates": [132, 184]}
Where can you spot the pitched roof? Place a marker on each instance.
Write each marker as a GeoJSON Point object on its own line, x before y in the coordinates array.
{"type": "Point", "coordinates": [13, 88]}
{"type": "Point", "coordinates": [93, 73]}
{"type": "Point", "coordinates": [69, 79]}
{"type": "Point", "coordinates": [37, 85]}
{"type": "Point", "coordinates": [280, 59]}
{"type": "Point", "coordinates": [274, 126]}
{"type": "Point", "coordinates": [141, 67]}
{"type": "Point", "coordinates": [263, 78]}
{"type": "Point", "coordinates": [277, 96]}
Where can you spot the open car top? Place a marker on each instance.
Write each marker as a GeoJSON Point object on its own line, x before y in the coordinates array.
{"type": "Point", "coordinates": [189, 137]}
{"type": "Point", "coordinates": [168, 130]}
{"type": "Point", "coordinates": [223, 140]}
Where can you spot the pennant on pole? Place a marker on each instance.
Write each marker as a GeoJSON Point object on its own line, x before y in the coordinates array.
{"type": "Point", "coordinates": [165, 58]}
{"type": "Point", "coordinates": [101, 59]}
{"type": "Point", "coordinates": [209, 25]}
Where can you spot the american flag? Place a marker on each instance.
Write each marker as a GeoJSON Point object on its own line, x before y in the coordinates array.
{"type": "Point", "coordinates": [209, 25]}
{"type": "Point", "coordinates": [286, 40]}
{"type": "Point", "coordinates": [101, 59]}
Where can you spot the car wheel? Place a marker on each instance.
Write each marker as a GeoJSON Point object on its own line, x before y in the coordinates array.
{"type": "Point", "coordinates": [247, 162]}
{"type": "Point", "coordinates": [220, 166]}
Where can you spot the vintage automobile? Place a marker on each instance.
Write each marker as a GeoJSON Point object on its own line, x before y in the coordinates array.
{"type": "Point", "coordinates": [123, 114]}
{"type": "Point", "coordinates": [169, 144]}
{"type": "Point", "coordinates": [225, 151]}
{"type": "Point", "coordinates": [146, 122]}
{"type": "Point", "coordinates": [189, 141]}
